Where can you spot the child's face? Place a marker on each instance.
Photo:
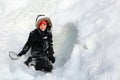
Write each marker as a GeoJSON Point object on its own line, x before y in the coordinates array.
{"type": "Point", "coordinates": [43, 27]}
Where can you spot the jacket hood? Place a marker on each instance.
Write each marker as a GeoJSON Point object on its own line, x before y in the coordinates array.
{"type": "Point", "coordinates": [46, 19]}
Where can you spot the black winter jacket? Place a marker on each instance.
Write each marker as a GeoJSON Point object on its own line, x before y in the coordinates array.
{"type": "Point", "coordinates": [40, 43]}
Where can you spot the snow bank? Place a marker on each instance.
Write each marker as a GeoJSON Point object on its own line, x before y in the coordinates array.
{"type": "Point", "coordinates": [85, 32]}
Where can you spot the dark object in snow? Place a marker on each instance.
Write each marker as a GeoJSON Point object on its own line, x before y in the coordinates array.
{"type": "Point", "coordinates": [41, 44]}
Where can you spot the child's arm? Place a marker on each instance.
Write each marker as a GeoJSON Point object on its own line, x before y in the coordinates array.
{"type": "Point", "coordinates": [27, 45]}
{"type": "Point", "coordinates": [50, 48]}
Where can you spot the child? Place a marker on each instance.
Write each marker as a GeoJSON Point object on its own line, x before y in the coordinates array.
{"type": "Point", "coordinates": [41, 44]}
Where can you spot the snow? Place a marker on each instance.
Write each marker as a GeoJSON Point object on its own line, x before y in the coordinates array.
{"type": "Point", "coordinates": [86, 36]}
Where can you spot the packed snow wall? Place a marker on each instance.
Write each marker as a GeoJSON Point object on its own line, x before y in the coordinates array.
{"type": "Point", "coordinates": [86, 38]}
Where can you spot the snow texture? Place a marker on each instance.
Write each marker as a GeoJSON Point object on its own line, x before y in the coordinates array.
{"type": "Point", "coordinates": [86, 35]}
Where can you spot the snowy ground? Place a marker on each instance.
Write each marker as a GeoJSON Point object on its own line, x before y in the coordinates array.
{"type": "Point", "coordinates": [86, 38]}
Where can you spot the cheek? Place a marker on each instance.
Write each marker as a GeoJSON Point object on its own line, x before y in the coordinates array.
{"type": "Point", "coordinates": [44, 26]}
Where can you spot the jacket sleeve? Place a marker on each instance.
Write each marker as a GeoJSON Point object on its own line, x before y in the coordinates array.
{"type": "Point", "coordinates": [27, 45]}
{"type": "Point", "coordinates": [50, 48]}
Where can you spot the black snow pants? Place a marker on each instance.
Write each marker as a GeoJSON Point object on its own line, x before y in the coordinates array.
{"type": "Point", "coordinates": [41, 63]}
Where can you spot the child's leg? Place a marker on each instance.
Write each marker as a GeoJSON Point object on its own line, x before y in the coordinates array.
{"type": "Point", "coordinates": [28, 61]}
{"type": "Point", "coordinates": [43, 64]}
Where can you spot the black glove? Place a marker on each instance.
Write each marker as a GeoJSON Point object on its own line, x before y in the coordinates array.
{"type": "Point", "coordinates": [21, 53]}
{"type": "Point", "coordinates": [52, 58]}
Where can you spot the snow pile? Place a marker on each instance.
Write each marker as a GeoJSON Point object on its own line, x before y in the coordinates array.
{"type": "Point", "coordinates": [86, 36]}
